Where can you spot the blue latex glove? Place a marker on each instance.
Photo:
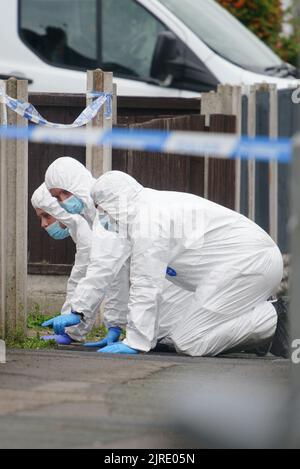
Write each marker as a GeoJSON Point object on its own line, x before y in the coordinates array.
{"type": "Point", "coordinates": [119, 347]}
{"type": "Point", "coordinates": [59, 323]}
{"type": "Point", "coordinates": [112, 336]}
{"type": "Point", "coordinates": [59, 339]}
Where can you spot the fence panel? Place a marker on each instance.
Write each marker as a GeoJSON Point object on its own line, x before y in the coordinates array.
{"type": "Point", "coordinates": [287, 126]}
{"type": "Point", "coordinates": [244, 163]}
{"type": "Point", "coordinates": [167, 172]}
{"type": "Point", "coordinates": [221, 176]}
{"type": "Point", "coordinates": [262, 169]}
{"type": "Point", "coordinates": [46, 256]}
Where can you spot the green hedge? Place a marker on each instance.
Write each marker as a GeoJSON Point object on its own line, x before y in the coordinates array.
{"type": "Point", "coordinates": [265, 18]}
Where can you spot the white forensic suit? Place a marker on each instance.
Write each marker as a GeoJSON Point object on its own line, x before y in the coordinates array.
{"type": "Point", "coordinates": [81, 234]}
{"type": "Point", "coordinates": [230, 265]}
{"type": "Point", "coordinates": [68, 174]}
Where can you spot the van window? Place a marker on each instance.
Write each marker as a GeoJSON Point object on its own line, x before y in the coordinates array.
{"type": "Point", "coordinates": [224, 34]}
{"type": "Point", "coordinates": [128, 36]}
{"type": "Point", "coordinates": [117, 35]}
{"type": "Point", "coordinates": [63, 32]}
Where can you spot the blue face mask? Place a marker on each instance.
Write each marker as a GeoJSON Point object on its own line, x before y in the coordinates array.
{"type": "Point", "coordinates": [57, 232]}
{"type": "Point", "coordinates": [107, 223]}
{"type": "Point", "coordinates": [72, 205]}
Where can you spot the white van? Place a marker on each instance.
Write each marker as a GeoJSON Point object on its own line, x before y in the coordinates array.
{"type": "Point", "coordinates": [176, 48]}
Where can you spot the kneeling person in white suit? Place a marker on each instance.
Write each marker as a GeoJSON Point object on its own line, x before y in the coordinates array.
{"type": "Point", "coordinates": [70, 183]}
{"type": "Point", "coordinates": [229, 263]}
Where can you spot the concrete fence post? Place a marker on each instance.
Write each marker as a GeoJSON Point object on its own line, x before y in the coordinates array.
{"type": "Point", "coordinates": [273, 166]}
{"type": "Point", "coordinates": [115, 105]}
{"type": "Point", "coordinates": [99, 159]}
{"type": "Point", "coordinates": [13, 221]}
{"type": "Point", "coordinates": [228, 101]}
{"type": "Point", "coordinates": [251, 128]}
{"type": "Point", "coordinates": [3, 122]}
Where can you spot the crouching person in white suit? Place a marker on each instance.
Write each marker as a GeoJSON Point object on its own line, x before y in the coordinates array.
{"type": "Point", "coordinates": [229, 263]}
{"type": "Point", "coordinates": [73, 184]}
{"type": "Point", "coordinates": [59, 224]}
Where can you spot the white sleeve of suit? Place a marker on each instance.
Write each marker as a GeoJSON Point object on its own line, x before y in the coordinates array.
{"type": "Point", "coordinates": [116, 301]}
{"type": "Point", "coordinates": [109, 253]}
{"type": "Point", "coordinates": [82, 236]}
{"type": "Point", "coordinates": [149, 262]}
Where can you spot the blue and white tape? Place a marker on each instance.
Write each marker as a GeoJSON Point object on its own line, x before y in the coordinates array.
{"type": "Point", "coordinates": [29, 112]}
{"type": "Point", "coordinates": [183, 143]}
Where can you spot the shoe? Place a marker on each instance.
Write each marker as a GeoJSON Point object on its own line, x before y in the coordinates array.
{"type": "Point", "coordinates": [262, 350]}
{"type": "Point", "coordinates": [281, 341]}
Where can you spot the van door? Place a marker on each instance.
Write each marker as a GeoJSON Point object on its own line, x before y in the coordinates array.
{"type": "Point", "coordinates": [128, 37]}
{"type": "Point", "coordinates": [60, 41]}
{"type": "Point", "coordinates": [69, 37]}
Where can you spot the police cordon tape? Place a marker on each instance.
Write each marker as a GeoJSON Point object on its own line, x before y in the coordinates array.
{"type": "Point", "coordinates": [29, 112]}
{"type": "Point", "coordinates": [179, 142]}
{"type": "Point", "coordinates": [185, 143]}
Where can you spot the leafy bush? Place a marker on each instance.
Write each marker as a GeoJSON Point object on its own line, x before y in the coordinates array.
{"type": "Point", "coordinates": [265, 18]}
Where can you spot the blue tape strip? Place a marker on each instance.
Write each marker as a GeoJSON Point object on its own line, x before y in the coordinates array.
{"type": "Point", "coordinates": [144, 140]}
{"type": "Point", "coordinates": [260, 148]}
{"type": "Point", "coordinates": [263, 149]}
{"type": "Point", "coordinates": [29, 112]}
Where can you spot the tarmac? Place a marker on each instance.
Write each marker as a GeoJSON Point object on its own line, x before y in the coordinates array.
{"type": "Point", "coordinates": [73, 398]}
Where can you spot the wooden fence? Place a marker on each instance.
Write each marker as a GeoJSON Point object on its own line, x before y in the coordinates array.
{"type": "Point", "coordinates": [259, 190]}
{"type": "Point", "coordinates": [46, 256]}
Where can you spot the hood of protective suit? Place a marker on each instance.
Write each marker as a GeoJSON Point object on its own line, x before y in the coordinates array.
{"type": "Point", "coordinates": [69, 174]}
{"type": "Point", "coordinates": [115, 193]}
{"type": "Point", "coordinates": [41, 198]}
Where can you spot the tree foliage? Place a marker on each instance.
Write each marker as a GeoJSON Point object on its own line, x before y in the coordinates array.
{"type": "Point", "coordinates": [265, 18]}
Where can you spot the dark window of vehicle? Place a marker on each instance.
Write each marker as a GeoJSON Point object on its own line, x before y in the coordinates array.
{"type": "Point", "coordinates": [224, 34]}
{"type": "Point", "coordinates": [129, 34]}
{"type": "Point", "coordinates": [63, 32]}
{"type": "Point", "coordinates": [116, 35]}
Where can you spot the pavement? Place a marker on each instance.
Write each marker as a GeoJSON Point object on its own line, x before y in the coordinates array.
{"type": "Point", "coordinates": [73, 398]}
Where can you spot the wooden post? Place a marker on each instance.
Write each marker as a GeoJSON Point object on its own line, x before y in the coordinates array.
{"type": "Point", "coordinates": [13, 222]}
{"type": "Point", "coordinates": [99, 159]}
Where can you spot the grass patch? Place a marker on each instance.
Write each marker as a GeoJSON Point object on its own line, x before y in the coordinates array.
{"type": "Point", "coordinates": [36, 318]}
{"type": "Point", "coordinates": [33, 339]}
{"type": "Point", "coordinates": [98, 333]}
{"type": "Point", "coordinates": [20, 341]}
